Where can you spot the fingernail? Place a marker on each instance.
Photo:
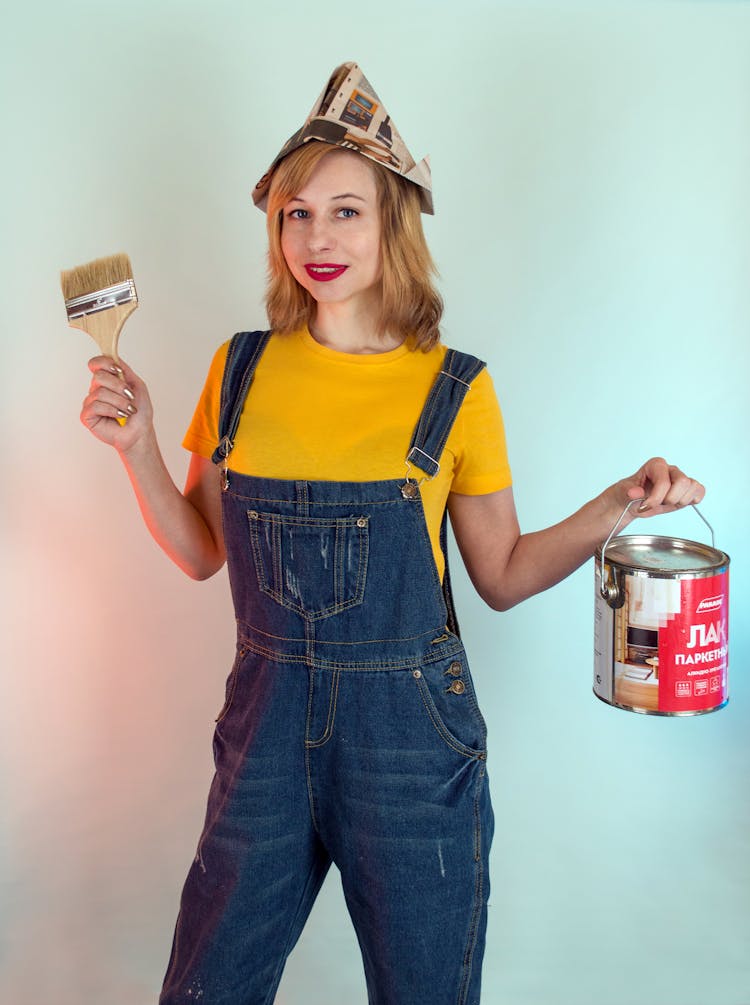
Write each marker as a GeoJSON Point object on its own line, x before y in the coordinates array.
{"type": "Point", "coordinates": [132, 409]}
{"type": "Point", "coordinates": [128, 393]}
{"type": "Point", "coordinates": [123, 415]}
{"type": "Point", "coordinates": [644, 506]}
{"type": "Point", "coordinates": [116, 370]}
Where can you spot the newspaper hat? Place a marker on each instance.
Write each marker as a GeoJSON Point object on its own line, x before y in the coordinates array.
{"type": "Point", "coordinates": [350, 114]}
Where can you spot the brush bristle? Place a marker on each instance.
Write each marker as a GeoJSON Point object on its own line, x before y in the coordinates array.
{"type": "Point", "coordinates": [96, 275]}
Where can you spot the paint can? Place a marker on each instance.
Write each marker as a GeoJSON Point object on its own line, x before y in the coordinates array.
{"type": "Point", "coordinates": [661, 642]}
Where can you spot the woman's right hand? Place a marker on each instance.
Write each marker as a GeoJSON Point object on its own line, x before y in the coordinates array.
{"type": "Point", "coordinates": [115, 392]}
{"type": "Point", "coordinates": [187, 525]}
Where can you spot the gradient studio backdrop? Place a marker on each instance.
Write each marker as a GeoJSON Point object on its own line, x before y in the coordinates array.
{"type": "Point", "coordinates": [591, 169]}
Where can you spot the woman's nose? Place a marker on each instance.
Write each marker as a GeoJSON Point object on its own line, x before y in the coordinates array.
{"type": "Point", "coordinates": [319, 236]}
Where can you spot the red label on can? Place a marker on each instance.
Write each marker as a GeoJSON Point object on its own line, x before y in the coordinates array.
{"type": "Point", "coordinates": [693, 647]}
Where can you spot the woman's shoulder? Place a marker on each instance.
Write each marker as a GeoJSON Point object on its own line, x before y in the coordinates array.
{"type": "Point", "coordinates": [243, 341]}
{"type": "Point", "coordinates": [470, 361]}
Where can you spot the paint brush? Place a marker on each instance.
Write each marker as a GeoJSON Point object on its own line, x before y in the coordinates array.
{"type": "Point", "coordinates": [99, 298]}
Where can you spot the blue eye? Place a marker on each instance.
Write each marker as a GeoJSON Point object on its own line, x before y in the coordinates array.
{"type": "Point", "coordinates": [298, 214]}
{"type": "Point", "coordinates": [347, 213]}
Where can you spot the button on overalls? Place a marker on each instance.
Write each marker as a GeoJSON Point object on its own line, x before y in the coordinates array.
{"type": "Point", "coordinates": [350, 734]}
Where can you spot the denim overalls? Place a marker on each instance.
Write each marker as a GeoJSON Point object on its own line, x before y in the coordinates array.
{"type": "Point", "coordinates": [350, 733]}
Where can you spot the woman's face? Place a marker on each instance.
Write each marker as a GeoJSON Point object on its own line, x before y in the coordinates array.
{"type": "Point", "coordinates": [330, 234]}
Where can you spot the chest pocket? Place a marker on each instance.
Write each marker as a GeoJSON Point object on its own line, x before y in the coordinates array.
{"type": "Point", "coordinates": [314, 566]}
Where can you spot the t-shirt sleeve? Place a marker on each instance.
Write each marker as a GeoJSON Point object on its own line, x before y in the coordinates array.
{"type": "Point", "coordinates": [482, 464]}
{"type": "Point", "coordinates": [203, 432]}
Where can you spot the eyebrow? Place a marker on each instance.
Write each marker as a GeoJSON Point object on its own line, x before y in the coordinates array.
{"type": "Point", "coordinates": [345, 195]}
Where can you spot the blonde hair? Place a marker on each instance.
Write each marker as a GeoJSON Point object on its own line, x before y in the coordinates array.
{"type": "Point", "coordinates": [410, 304]}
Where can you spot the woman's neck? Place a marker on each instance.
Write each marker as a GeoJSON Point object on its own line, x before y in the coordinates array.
{"type": "Point", "coordinates": [344, 330]}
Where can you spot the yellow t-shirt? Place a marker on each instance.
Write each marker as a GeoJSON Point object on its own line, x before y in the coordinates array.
{"type": "Point", "coordinates": [316, 414]}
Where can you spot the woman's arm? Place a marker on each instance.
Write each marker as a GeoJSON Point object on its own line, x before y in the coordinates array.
{"type": "Point", "coordinates": [186, 525]}
{"type": "Point", "coordinates": [506, 566]}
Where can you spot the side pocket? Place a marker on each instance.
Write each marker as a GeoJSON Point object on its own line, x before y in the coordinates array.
{"type": "Point", "coordinates": [231, 684]}
{"type": "Point", "coordinates": [447, 693]}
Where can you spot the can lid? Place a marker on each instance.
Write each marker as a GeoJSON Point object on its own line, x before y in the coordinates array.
{"type": "Point", "coordinates": [664, 554]}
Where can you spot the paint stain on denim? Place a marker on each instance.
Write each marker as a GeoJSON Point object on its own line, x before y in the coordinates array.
{"type": "Point", "coordinates": [324, 547]}
{"type": "Point", "coordinates": [292, 584]}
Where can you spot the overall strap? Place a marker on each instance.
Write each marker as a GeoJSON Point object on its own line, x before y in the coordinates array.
{"type": "Point", "coordinates": [430, 436]}
{"type": "Point", "coordinates": [440, 410]}
{"type": "Point", "coordinates": [243, 356]}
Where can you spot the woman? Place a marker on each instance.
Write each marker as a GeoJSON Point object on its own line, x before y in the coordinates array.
{"type": "Point", "coordinates": [351, 731]}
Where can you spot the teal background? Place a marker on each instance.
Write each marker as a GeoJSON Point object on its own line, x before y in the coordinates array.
{"type": "Point", "coordinates": [591, 166]}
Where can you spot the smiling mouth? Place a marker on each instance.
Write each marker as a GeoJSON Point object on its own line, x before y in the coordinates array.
{"type": "Point", "coordinates": [324, 272]}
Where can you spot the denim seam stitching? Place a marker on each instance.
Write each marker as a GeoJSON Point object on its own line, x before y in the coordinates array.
{"type": "Point", "coordinates": [433, 567]}
{"type": "Point", "coordinates": [478, 895]}
{"type": "Point", "coordinates": [276, 560]}
{"type": "Point", "coordinates": [338, 566]}
{"type": "Point", "coordinates": [230, 694]}
{"type": "Point", "coordinates": [275, 590]}
{"type": "Point", "coordinates": [425, 418]}
{"type": "Point", "coordinates": [314, 662]}
{"type": "Point", "coordinates": [309, 642]}
{"type": "Point", "coordinates": [332, 706]}
{"type": "Point", "coordinates": [260, 572]}
{"type": "Point", "coordinates": [341, 503]}
{"type": "Point", "coordinates": [324, 612]}
{"type": "Point", "coordinates": [435, 434]}
{"type": "Point", "coordinates": [242, 626]}
{"type": "Point", "coordinates": [231, 410]}
{"type": "Point", "coordinates": [364, 559]}
{"type": "Point", "coordinates": [452, 408]}
{"type": "Point", "coordinates": [447, 737]}
{"type": "Point", "coordinates": [241, 653]}
{"type": "Point", "coordinates": [298, 520]}
{"type": "Point", "coordinates": [470, 696]}
{"type": "Point", "coordinates": [308, 773]}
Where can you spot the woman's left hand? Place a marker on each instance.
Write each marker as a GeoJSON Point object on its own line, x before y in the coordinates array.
{"type": "Point", "coordinates": [661, 488]}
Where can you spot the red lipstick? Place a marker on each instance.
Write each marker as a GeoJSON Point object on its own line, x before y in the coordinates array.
{"type": "Point", "coordinates": [324, 272]}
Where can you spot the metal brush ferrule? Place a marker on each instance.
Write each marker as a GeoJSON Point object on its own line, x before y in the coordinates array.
{"type": "Point", "coordinates": [102, 300]}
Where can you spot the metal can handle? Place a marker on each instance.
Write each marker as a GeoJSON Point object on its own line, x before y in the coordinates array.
{"type": "Point", "coordinates": [609, 590]}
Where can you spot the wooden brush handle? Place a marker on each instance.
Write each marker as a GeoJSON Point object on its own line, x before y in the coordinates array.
{"type": "Point", "coordinates": [105, 326]}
